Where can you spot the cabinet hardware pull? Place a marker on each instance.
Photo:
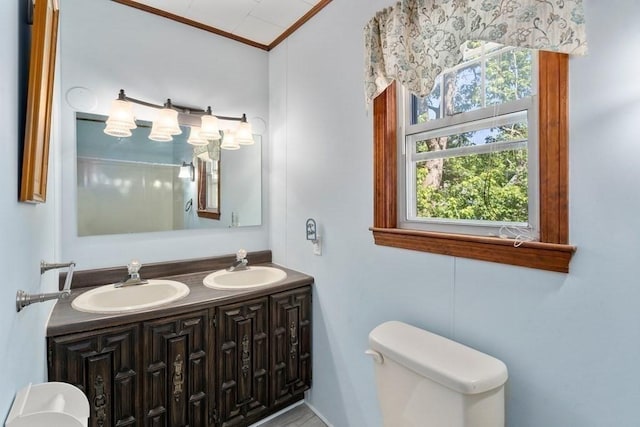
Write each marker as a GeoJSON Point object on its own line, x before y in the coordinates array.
{"type": "Point", "coordinates": [100, 401]}
{"type": "Point", "coordinates": [293, 339]}
{"type": "Point", "coordinates": [246, 355]}
{"type": "Point", "coordinates": [178, 377]}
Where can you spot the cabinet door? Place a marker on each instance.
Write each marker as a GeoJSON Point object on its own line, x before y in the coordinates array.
{"type": "Point", "coordinates": [242, 358]}
{"type": "Point", "coordinates": [175, 378]}
{"type": "Point", "coordinates": [290, 345]}
{"type": "Point", "coordinates": [104, 366]}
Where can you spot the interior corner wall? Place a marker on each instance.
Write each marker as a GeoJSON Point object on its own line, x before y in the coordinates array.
{"type": "Point", "coordinates": [106, 46]}
{"type": "Point", "coordinates": [571, 341]}
{"type": "Point", "coordinates": [29, 231]}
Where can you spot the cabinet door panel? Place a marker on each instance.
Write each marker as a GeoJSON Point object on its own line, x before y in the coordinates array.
{"type": "Point", "coordinates": [104, 366]}
{"type": "Point", "coordinates": [290, 345]}
{"type": "Point", "coordinates": [175, 383]}
{"type": "Point", "coordinates": [243, 354]}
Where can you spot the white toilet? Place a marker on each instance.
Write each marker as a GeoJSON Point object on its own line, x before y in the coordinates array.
{"type": "Point", "coordinates": [425, 380]}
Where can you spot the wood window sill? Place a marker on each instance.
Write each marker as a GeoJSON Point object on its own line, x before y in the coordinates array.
{"type": "Point", "coordinates": [544, 256]}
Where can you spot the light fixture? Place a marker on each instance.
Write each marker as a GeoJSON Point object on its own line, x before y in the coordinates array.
{"type": "Point", "coordinates": [118, 131]}
{"type": "Point", "coordinates": [187, 170]}
{"type": "Point", "coordinates": [229, 141]}
{"type": "Point", "coordinates": [156, 135]}
{"type": "Point", "coordinates": [244, 134]}
{"type": "Point", "coordinates": [209, 128]}
{"type": "Point", "coordinates": [121, 120]}
{"type": "Point", "coordinates": [170, 116]}
{"type": "Point", "coordinates": [167, 120]}
{"type": "Point", "coordinates": [195, 136]}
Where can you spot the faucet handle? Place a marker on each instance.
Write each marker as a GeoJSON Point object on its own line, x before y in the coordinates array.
{"type": "Point", "coordinates": [133, 267]}
{"type": "Point", "coordinates": [241, 254]}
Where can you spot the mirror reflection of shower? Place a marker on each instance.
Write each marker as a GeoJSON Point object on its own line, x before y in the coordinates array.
{"type": "Point", "coordinates": [132, 184]}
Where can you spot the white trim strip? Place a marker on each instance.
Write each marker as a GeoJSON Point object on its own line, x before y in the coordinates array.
{"type": "Point", "coordinates": [495, 147]}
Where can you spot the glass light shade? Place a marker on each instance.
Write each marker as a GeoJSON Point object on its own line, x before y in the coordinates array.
{"type": "Point", "coordinates": [157, 135]}
{"type": "Point", "coordinates": [121, 115]}
{"type": "Point", "coordinates": [209, 128]}
{"type": "Point", "coordinates": [195, 137]}
{"type": "Point", "coordinates": [118, 131]}
{"type": "Point", "coordinates": [244, 134]}
{"type": "Point", "coordinates": [186, 171]}
{"type": "Point", "coordinates": [229, 141]}
{"type": "Point", "coordinates": [167, 122]}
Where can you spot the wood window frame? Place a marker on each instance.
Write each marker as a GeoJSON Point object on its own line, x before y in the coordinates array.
{"type": "Point", "coordinates": [203, 193]}
{"type": "Point", "coordinates": [552, 252]}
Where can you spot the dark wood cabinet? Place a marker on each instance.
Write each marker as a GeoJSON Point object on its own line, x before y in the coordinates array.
{"type": "Point", "coordinates": [222, 366]}
{"type": "Point", "coordinates": [105, 366]}
{"type": "Point", "coordinates": [242, 349]}
{"type": "Point", "coordinates": [175, 371]}
{"type": "Point", "coordinates": [290, 345]}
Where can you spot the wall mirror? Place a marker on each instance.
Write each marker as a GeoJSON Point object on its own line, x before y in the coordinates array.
{"type": "Point", "coordinates": [134, 185]}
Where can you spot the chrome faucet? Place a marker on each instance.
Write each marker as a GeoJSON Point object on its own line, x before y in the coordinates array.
{"type": "Point", "coordinates": [241, 261]}
{"type": "Point", "coordinates": [24, 299]}
{"type": "Point", "coordinates": [133, 277]}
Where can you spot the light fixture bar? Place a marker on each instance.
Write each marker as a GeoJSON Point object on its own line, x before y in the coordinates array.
{"type": "Point", "coordinates": [204, 127]}
{"type": "Point", "coordinates": [122, 96]}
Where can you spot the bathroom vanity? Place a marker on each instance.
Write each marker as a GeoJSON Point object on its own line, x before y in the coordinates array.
{"type": "Point", "coordinates": [213, 358]}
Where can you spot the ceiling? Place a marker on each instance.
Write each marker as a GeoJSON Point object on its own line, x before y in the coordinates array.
{"type": "Point", "coordinates": [259, 23]}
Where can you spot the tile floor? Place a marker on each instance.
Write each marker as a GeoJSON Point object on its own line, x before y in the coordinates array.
{"type": "Point", "coordinates": [300, 416]}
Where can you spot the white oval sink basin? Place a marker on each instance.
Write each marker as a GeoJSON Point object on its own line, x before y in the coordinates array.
{"type": "Point", "coordinates": [110, 299]}
{"type": "Point", "coordinates": [252, 277]}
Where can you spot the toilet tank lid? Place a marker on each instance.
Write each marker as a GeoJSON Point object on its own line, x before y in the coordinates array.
{"type": "Point", "coordinates": [453, 365]}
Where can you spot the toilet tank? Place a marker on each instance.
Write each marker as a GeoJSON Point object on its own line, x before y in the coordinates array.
{"type": "Point", "coordinates": [427, 380]}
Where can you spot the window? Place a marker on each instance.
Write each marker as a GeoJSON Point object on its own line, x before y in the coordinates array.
{"type": "Point", "coordinates": [467, 165]}
{"type": "Point", "coordinates": [399, 224]}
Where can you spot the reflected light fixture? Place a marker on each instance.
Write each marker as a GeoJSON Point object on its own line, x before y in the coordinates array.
{"type": "Point", "coordinates": [156, 135]}
{"type": "Point", "coordinates": [195, 136]}
{"type": "Point", "coordinates": [187, 170]}
{"type": "Point", "coordinates": [229, 141]}
{"type": "Point", "coordinates": [167, 123]}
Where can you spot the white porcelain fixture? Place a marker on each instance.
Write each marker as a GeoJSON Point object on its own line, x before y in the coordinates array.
{"type": "Point", "coordinates": [424, 379]}
{"type": "Point", "coordinates": [251, 277]}
{"type": "Point", "coordinates": [112, 299]}
{"type": "Point", "coordinates": [49, 404]}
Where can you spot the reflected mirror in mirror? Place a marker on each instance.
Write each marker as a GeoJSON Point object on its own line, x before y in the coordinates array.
{"type": "Point", "coordinates": [132, 185]}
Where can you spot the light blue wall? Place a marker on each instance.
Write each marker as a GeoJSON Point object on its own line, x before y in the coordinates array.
{"type": "Point", "coordinates": [224, 73]}
{"type": "Point", "coordinates": [571, 342]}
{"type": "Point", "coordinates": [106, 46]}
{"type": "Point", "coordinates": [28, 234]}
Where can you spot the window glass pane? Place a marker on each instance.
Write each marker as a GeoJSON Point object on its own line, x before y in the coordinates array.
{"type": "Point", "coordinates": [463, 89]}
{"type": "Point", "coordinates": [463, 170]}
{"type": "Point", "coordinates": [490, 186]}
{"type": "Point", "coordinates": [508, 76]}
{"type": "Point", "coordinates": [427, 107]}
{"type": "Point", "coordinates": [477, 48]}
{"type": "Point", "coordinates": [517, 131]}
{"type": "Point", "coordinates": [491, 74]}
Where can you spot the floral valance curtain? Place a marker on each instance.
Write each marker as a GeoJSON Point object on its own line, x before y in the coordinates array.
{"type": "Point", "coordinates": [415, 40]}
